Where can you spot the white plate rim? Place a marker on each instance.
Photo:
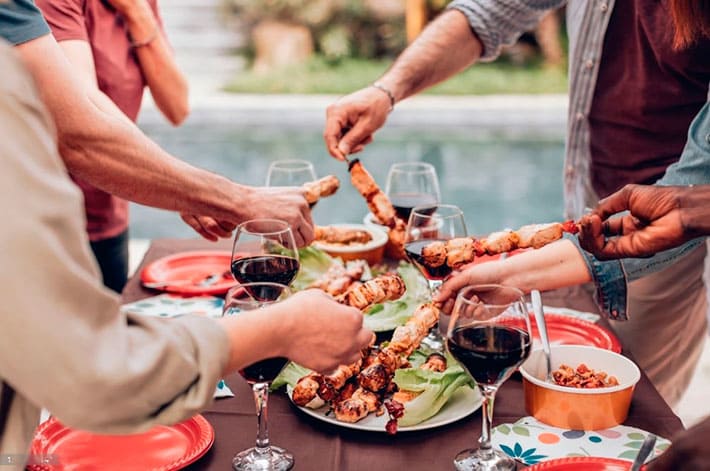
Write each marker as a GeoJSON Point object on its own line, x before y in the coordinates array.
{"type": "Point", "coordinates": [464, 402]}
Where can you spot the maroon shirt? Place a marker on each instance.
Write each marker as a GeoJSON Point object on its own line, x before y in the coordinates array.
{"type": "Point", "coordinates": [119, 76]}
{"type": "Point", "coordinates": [646, 96]}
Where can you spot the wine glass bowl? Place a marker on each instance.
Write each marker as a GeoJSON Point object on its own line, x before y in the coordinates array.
{"type": "Point", "coordinates": [427, 224]}
{"type": "Point", "coordinates": [489, 335]}
{"type": "Point", "coordinates": [263, 456]}
{"type": "Point", "coordinates": [264, 250]}
{"type": "Point", "coordinates": [412, 184]}
{"type": "Point", "coordinates": [290, 172]}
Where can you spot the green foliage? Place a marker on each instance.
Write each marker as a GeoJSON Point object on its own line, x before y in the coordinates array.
{"type": "Point", "coordinates": [345, 75]}
{"type": "Point", "coordinates": [340, 28]}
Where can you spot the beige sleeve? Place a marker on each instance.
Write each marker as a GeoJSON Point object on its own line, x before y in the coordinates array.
{"type": "Point", "coordinates": [64, 345]}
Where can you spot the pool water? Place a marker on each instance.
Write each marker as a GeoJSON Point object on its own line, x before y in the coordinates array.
{"type": "Point", "coordinates": [498, 180]}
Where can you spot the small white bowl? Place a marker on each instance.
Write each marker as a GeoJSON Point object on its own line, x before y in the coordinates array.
{"type": "Point", "coordinates": [372, 252]}
{"type": "Point", "coordinates": [370, 221]}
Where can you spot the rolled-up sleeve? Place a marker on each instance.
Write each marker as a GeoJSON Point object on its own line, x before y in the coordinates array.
{"type": "Point", "coordinates": [64, 344]}
{"type": "Point", "coordinates": [612, 277]}
{"type": "Point", "coordinates": [498, 23]}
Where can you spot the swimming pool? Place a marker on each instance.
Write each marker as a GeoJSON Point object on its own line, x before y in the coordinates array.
{"type": "Point", "coordinates": [500, 179]}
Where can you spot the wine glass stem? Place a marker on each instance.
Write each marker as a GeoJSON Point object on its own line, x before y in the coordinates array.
{"type": "Point", "coordinates": [484, 442]}
{"type": "Point", "coordinates": [261, 397]}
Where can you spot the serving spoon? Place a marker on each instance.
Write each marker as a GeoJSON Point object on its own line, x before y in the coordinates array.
{"type": "Point", "coordinates": [542, 328]}
{"type": "Point", "coordinates": [646, 448]}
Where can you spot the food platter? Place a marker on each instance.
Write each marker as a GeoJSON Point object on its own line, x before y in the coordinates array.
{"type": "Point", "coordinates": [463, 403]}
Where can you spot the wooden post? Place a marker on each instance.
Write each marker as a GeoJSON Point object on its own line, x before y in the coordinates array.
{"type": "Point", "coordinates": [416, 15]}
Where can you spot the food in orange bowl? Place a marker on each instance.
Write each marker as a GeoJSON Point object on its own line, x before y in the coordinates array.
{"type": "Point", "coordinates": [579, 408]}
{"type": "Point", "coordinates": [372, 251]}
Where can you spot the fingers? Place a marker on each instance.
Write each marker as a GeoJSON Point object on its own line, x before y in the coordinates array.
{"type": "Point", "coordinates": [448, 291]}
{"type": "Point", "coordinates": [591, 235]}
{"type": "Point", "coordinates": [194, 222]}
{"type": "Point", "coordinates": [334, 125]}
{"type": "Point", "coordinates": [356, 136]}
{"type": "Point", "coordinates": [616, 203]}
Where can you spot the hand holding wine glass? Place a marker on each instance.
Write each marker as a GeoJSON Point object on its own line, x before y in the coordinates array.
{"type": "Point", "coordinates": [263, 456]}
{"type": "Point", "coordinates": [489, 334]}
{"type": "Point", "coordinates": [411, 184]}
{"type": "Point", "coordinates": [428, 224]}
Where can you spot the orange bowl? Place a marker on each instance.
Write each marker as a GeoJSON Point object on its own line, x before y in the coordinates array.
{"type": "Point", "coordinates": [573, 408]}
{"type": "Point", "coordinates": [372, 252]}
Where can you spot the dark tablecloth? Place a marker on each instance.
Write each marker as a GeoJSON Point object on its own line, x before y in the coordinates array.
{"type": "Point", "coordinates": [320, 446]}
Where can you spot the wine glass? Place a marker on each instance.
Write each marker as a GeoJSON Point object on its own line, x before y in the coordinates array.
{"type": "Point", "coordinates": [428, 224]}
{"type": "Point", "coordinates": [263, 456]}
{"type": "Point", "coordinates": [291, 172]}
{"type": "Point", "coordinates": [264, 250]}
{"type": "Point", "coordinates": [489, 335]}
{"type": "Point", "coordinates": [411, 184]}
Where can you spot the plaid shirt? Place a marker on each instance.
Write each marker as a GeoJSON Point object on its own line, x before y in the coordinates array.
{"type": "Point", "coordinates": [498, 23]}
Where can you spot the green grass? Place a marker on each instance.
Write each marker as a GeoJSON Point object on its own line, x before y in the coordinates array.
{"type": "Point", "coordinates": [318, 76]}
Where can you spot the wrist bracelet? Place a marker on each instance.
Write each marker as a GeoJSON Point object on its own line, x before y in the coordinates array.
{"type": "Point", "coordinates": [387, 91]}
{"type": "Point", "coordinates": [150, 39]}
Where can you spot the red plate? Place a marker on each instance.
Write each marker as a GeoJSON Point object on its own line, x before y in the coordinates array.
{"type": "Point", "coordinates": [188, 269]}
{"type": "Point", "coordinates": [566, 330]}
{"type": "Point", "coordinates": [162, 448]}
{"type": "Point", "coordinates": [582, 463]}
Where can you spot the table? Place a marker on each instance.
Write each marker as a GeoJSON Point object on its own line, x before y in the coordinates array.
{"type": "Point", "coordinates": [320, 446]}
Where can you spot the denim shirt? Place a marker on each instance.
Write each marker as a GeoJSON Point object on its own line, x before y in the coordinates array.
{"type": "Point", "coordinates": [611, 277]}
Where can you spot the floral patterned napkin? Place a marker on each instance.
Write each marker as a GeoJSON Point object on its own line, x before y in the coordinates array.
{"type": "Point", "coordinates": [171, 305]}
{"type": "Point", "coordinates": [531, 442]}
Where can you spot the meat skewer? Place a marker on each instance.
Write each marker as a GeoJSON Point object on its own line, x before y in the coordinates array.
{"type": "Point", "coordinates": [338, 279]}
{"type": "Point", "coordinates": [381, 207]}
{"type": "Point", "coordinates": [388, 287]}
{"type": "Point", "coordinates": [315, 190]}
{"type": "Point", "coordinates": [341, 235]}
{"type": "Point", "coordinates": [405, 339]}
{"type": "Point", "coordinates": [463, 250]}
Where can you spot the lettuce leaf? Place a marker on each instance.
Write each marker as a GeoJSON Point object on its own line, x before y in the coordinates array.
{"type": "Point", "coordinates": [314, 263]}
{"type": "Point", "coordinates": [289, 376]}
{"type": "Point", "coordinates": [387, 316]}
{"type": "Point", "coordinates": [436, 389]}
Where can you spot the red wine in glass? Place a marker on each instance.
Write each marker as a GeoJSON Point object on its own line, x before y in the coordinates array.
{"type": "Point", "coordinates": [259, 268]}
{"type": "Point", "coordinates": [264, 371]}
{"type": "Point", "coordinates": [404, 203]}
{"type": "Point", "coordinates": [413, 250]}
{"type": "Point", "coordinates": [490, 353]}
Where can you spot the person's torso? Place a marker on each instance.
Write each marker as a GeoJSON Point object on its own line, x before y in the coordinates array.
{"type": "Point", "coordinates": [119, 76]}
{"type": "Point", "coordinates": [646, 95]}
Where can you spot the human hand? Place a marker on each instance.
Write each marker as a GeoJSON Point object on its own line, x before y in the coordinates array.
{"type": "Point", "coordinates": [688, 451]}
{"type": "Point", "coordinates": [351, 121]}
{"type": "Point", "coordinates": [482, 273]}
{"type": "Point", "coordinates": [125, 7]}
{"type": "Point", "coordinates": [285, 203]}
{"type": "Point", "coordinates": [209, 228]}
{"type": "Point", "coordinates": [655, 222]}
{"type": "Point", "coordinates": [323, 333]}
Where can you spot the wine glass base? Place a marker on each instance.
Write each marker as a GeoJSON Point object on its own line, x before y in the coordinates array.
{"type": "Point", "coordinates": [272, 459]}
{"type": "Point", "coordinates": [433, 341]}
{"type": "Point", "coordinates": [476, 460]}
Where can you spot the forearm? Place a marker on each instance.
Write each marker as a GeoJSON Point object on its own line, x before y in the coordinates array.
{"type": "Point", "coordinates": [254, 336]}
{"type": "Point", "coordinates": [101, 146]}
{"type": "Point", "coordinates": [431, 59]}
{"type": "Point", "coordinates": [166, 82]}
{"type": "Point", "coordinates": [556, 265]}
{"type": "Point", "coordinates": [695, 211]}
